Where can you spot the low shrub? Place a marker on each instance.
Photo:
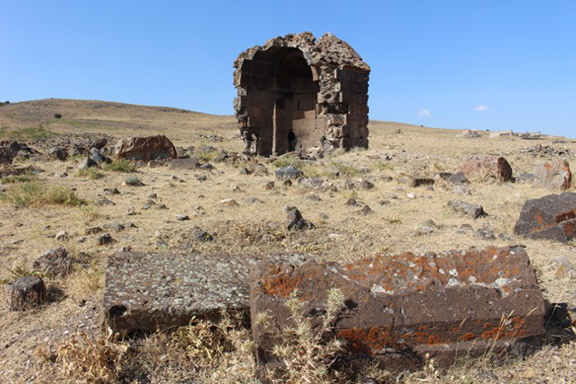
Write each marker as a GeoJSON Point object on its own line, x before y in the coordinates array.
{"type": "Point", "coordinates": [34, 193]}
{"type": "Point", "coordinates": [122, 165]}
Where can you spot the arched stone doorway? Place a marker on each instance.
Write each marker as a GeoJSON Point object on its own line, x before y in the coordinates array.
{"type": "Point", "coordinates": [299, 94]}
{"type": "Point", "coordinates": [282, 99]}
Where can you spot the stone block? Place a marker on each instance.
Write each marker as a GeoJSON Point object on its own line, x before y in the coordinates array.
{"type": "Point", "coordinates": [401, 309]}
{"type": "Point", "coordinates": [157, 291]}
{"type": "Point", "coordinates": [486, 167]}
{"type": "Point", "coordinates": [551, 217]}
{"type": "Point", "coordinates": [25, 292]}
{"type": "Point", "coordinates": [553, 175]}
{"type": "Point", "coordinates": [145, 148]}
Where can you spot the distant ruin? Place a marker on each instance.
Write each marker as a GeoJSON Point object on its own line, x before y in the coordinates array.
{"type": "Point", "coordinates": [299, 94]}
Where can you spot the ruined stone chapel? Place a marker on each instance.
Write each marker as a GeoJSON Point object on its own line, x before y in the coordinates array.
{"type": "Point", "coordinates": [299, 94]}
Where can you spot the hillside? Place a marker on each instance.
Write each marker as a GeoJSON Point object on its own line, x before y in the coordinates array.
{"type": "Point", "coordinates": [359, 202]}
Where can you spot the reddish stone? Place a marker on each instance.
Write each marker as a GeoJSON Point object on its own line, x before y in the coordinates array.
{"type": "Point", "coordinates": [486, 167]}
{"type": "Point", "coordinates": [145, 148]}
{"type": "Point", "coordinates": [401, 308]}
{"type": "Point", "coordinates": [551, 217]}
{"type": "Point", "coordinates": [553, 174]}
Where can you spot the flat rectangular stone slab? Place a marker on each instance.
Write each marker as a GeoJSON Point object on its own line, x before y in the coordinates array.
{"type": "Point", "coordinates": [401, 308]}
{"type": "Point", "coordinates": [157, 291]}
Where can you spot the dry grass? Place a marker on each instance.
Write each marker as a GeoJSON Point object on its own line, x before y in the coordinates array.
{"type": "Point", "coordinates": [206, 352]}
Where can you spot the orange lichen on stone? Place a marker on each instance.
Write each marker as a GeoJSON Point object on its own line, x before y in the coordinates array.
{"type": "Point", "coordinates": [279, 284]}
{"type": "Point", "coordinates": [468, 336]}
{"type": "Point", "coordinates": [360, 340]}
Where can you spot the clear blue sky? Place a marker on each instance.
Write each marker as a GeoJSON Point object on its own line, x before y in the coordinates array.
{"type": "Point", "coordinates": [502, 64]}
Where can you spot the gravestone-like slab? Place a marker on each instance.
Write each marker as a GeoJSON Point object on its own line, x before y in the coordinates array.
{"type": "Point", "coordinates": [551, 217]}
{"type": "Point", "coordinates": [486, 167]}
{"type": "Point", "coordinates": [400, 309]}
{"type": "Point", "coordinates": [157, 291]}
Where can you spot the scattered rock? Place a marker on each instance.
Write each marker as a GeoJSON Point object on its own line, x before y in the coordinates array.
{"type": "Point", "coordinates": [366, 210]}
{"type": "Point", "coordinates": [563, 267]}
{"type": "Point", "coordinates": [201, 235]}
{"type": "Point", "coordinates": [352, 202]}
{"type": "Point", "coordinates": [252, 200]}
{"type": "Point", "coordinates": [86, 163]}
{"type": "Point", "coordinates": [25, 292]}
{"type": "Point", "coordinates": [485, 233]}
{"type": "Point", "coordinates": [104, 201]}
{"type": "Point", "coordinates": [269, 185]}
{"type": "Point", "coordinates": [470, 210]}
{"type": "Point", "coordinates": [551, 217]}
{"type": "Point", "coordinates": [114, 226]}
{"type": "Point", "coordinates": [54, 262]}
{"type": "Point", "coordinates": [58, 153]}
{"type": "Point", "coordinates": [228, 203]}
{"type": "Point", "coordinates": [190, 163]}
{"type": "Point", "coordinates": [257, 169]}
{"type": "Point", "coordinates": [288, 173]}
{"type": "Point", "coordinates": [458, 178]}
{"type": "Point", "coordinates": [525, 178]}
{"type": "Point", "coordinates": [365, 184]}
{"type": "Point", "coordinates": [62, 236]}
{"type": "Point", "coordinates": [553, 175]}
{"type": "Point", "coordinates": [104, 239]}
{"type": "Point", "coordinates": [182, 217]}
{"type": "Point", "coordinates": [145, 148]}
{"type": "Point", "coordinates": [295, 221]}
{"type": "Point", "coordinates": [97, 157]}
{"type": "Point", "coordinates": [111, 191]}
{"type": "Point", "coordinates": [484, 168]}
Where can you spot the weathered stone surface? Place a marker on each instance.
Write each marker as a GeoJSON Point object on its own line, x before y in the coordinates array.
{"type": "Point", "coordinates": [55, 262]}
{"type": "Point", "coordinates": [295, 221]}
{"type": "Point", "coordinates": [158, 291]}
{"type": "Point", "coordinates": [457, 178]}
{"type": "Point", "coordinates": [288, 173]}
{"type": "Point", "coordinates": [145, 148]}
{"type": "Point", "coordinates": [25, 292]}
{"type": "Point", "coordinates": [550, 217]}
{"type": "Point", "coordinates": [486, 167]}
{"type": "Point", "coordinates": [401, 308]}
{"type": "Point", "coordinates": [189, 163]}
{"type": "Point", "coordinates": [464, 208]}
{"type": "Point", "coordinates": [553, 175]}
{"type": "Point", "coordinates": [299, 94]}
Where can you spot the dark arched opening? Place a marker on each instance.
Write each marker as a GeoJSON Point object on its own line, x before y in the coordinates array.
{"type": "Point", "coordinates": [281, 96]}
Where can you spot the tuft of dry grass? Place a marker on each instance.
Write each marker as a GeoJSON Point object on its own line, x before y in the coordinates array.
{"type": "Point", "coordinates": [89, 359]}
{"type": "Point", "coordinates": [36, 193]}
{"type": "Point", "coordinates": [305, 354]}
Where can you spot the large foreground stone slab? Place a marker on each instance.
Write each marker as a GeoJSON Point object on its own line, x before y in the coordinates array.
{"type": "Point", "coordinates": [401, 308]}
{"type": "Point", "coordinates": [551, 217]}
{"type": "Point", "coordinates": [157, 291]}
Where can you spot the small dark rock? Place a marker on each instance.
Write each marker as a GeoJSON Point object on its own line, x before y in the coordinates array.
{"type": "Point", "coordinates": [295, 221]}
{"type": "Point", "coordinates": [288, 173]}
{"type": "Point", "coordinates": [55, 262]}
{"type": "Point", "coordinates": [458, 178]}
{"type": "Point", "coordinates": [105, 239]}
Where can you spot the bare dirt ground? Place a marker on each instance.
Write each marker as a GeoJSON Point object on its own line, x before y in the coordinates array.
{"type": "Point", "coordinates": [399, 221]}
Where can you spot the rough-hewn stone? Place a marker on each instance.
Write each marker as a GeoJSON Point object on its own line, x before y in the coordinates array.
{"type": "Point", "coordinates": [464, 208]}
{"type": "Point", "coordinates": [25, 292]}
{"type": "Point", "coordinates": [550, 217]}
{"type": "Point", "coordinates": [401, 308]}
{"type": "Point", "coordinates": [145, 148]}
{"type": "Point", "coordinates": [54, 262]}
{"type": "Point", "coordinates": [158, 291]}
{"type": "Point", "coordinates": [299, 94]}
{"type": "Point", "coordinates": [486, 167]}
{"type": "Point", "coordinates": [553, 175]}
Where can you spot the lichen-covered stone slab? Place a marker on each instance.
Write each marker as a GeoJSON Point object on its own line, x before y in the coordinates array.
{"type": "Point", "coordinates": [554, 174]}
{"type": "Point", "coordinates": [401, 308]}
{"type": "Point", "coordinates": [486, 167]}
{"type": "Point", "coordinates": [158, 291]}
{"type": "Point", "coordinates": [551, 217]}
{"type": "Point", "coordinates": [145, 148]}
